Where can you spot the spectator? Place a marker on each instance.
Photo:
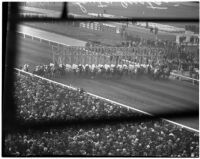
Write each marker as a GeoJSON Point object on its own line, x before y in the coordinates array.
{"type": "Point", "coordinates": [39, 100]}
{"type": "Point", "coordinates": [119, 139]}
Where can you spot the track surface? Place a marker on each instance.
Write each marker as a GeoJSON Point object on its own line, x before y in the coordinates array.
{"type": "Point", "coordinates": [50, 36]}
{"type": "Point", "coordinates": [144, 94]}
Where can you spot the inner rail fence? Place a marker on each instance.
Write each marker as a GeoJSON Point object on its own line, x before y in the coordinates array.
{"type": "Point", "coordinates": [105, 99]}
{"type": "Point", "coordinates": [55, 43]}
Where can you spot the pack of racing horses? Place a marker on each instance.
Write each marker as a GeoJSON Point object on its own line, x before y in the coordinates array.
{"type": "Point", "coordinates": [133, 71]}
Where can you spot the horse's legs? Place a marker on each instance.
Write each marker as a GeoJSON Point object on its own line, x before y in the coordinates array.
{"type": "Point", "coordinates": [136, 76]}
{"type": "Point", "coordinates": [154, 76]}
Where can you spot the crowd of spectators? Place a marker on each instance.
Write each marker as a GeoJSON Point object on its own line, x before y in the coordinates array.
{"type": "Point", "coordinates": [152, 138]}
{"type": "Point", "coordinates": [41, 100]}
{"type": "Point", "coordinates": [38, 100]}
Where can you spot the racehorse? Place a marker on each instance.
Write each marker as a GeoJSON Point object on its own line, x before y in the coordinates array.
{"type": "Point", "coordinates": [80, 70]}
{"type": "Point", "coordinates": [94, 72]}
{"type": "Point", "coordinates": [132, 69]}
{"type": "Point", "coordinates": [75, 68]}
{"type": "Point", "coordinates": [156, 73]}
{"type": "Point", "coordinates": [124, 70]}
{"type": "Point", "coordinates": [25, 67]}
{"type": "Point", "coordinates": [137, 72]}
{"type": "Point", "coordinates": [60, 71]}
{"type": "Point", "coordinates": [166, 72]}
{"type": "Point", "coordinates": [68, 69]}
{"type": "Point", "coordinates": [103, 72]}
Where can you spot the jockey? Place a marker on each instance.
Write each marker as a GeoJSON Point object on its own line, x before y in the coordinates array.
{"type": "Point", "coordinates": [99, 66]}
{"type": "Point", "coordinates": [83, 67]}
{"type": "Point", "coordinates": [60, 65]}
{"type": "Point", "coordinates": [137, 65]}
{"type": "Point", "coordinates": [74, 66]}
{"type": "Point", "coordinates": [124, 66]}
{"type": "Point", "coordinates": [51, 64]}
{"type": "Point", "coordinates": [156, 70]}
{"type": "Point", "coordinates": [36, 68]}
{"type": "Point", "coordinates": [25, 67]}
{"type": "Point", "coordinates": [106, 66]}
{"type": "Point", "coordinates": [45, 67]}
{"type": "Point", "coordinates": [79, 66]}
{"type": "Point", "coordinates": [68, 66]}
{"type": "Point", "coordinates": [112, 65]}
{"type": "Point", "coordinates": [92, 67]}
{"type": "Point", "coordinates": [119, 66]}
{"type": "Point", "coordinates": [131, 67]}
{"type": "Point", "coordinates": [149, 66]}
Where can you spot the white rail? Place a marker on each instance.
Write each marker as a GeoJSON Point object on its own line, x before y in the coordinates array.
{"type": "Point", "coordinates": [185, 77]}
{"type": "Point", "coordinates": [45, 39]}
{"type": "Point", "coordinates": [108, 100]}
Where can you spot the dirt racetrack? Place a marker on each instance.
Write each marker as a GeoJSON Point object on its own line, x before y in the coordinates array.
{"type": "Point", "coordinates": [170, 97]}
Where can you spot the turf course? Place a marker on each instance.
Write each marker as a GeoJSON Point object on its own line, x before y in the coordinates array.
{"type": "Point", "coordinates": [151, 96]}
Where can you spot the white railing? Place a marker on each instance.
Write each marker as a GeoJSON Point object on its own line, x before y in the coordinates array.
{"type": "Point", "coordinates": [108, 100]}
{"type": "Point", "coordinates": [184, 77]}
{"type": "Point", "coordinates": [44, 39]}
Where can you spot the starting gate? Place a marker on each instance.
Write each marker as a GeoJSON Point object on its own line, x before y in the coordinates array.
{"type": "Point", "coordinates": [104, 55]}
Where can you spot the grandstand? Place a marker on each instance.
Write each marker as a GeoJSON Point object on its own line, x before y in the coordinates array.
{"type": "Point", "coordinates": [127, 138]}
{"type": "Point", "coordinates": [94, 89]}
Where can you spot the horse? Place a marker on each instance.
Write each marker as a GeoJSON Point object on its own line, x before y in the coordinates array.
{"type": "Point", "coordinates": [35, 71]}
{"type": "Point", "coordinates": [98, 73]}
{"type": "Point", "coordinates": [109, 73]}
{"type": "Point", "coordinates": [68, 69]}
{"type": "Point", "coordinates": [25, 68]}
{"type": "Point", "coordinates": [92, 69]}
{"type": "Point", "coordinates": [124, 70]}
{"type": "Point", "coordinates": [60, 71]}
{"type": "Point", "coordinates": [131, 70]}
{"type": "Point", "coordinates": [80, 70]}
{"type": "Point", "coordinates": [120, 71]}
{"type": "Point", "coordinates": [53, 71]}
{"type": "Point", "coordinates": [87, 70]}
{"type": "Point", "coordinates": [149, 71]}
{"type": "Point", "coordinates": [39, 70]}
{"type": "Point", "coordinates": [75, 69]}
{"type": "Point", "coordinates": [156, 73]}
{"type": "Point", "coordinates": [103, 72]}
{"type": "Point", "coordinates": [47, 71]}
{"type": "Point", "coordinates": [166, 72]}
{"type": "Point", "coordinates": [95, 72]}
{"type": "Point", "coordinates": [136, 72]}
